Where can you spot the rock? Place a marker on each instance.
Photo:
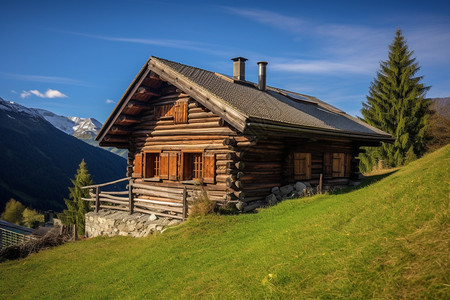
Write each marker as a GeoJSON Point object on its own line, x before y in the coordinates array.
{"type": "Point", "coordinates": [307, 184]}
{"type": "Point", "coordinates": [299, 186]}
{"type": "Point", "coordinates": [240, 205]}
{"type": "Point", "coordinates": [286, 190]}
{"type": "Point", "coordinates": [278, 196]}
{"type": "Point", "coordinates": [271, 200]}
{"type": "Point", "coordinates": [152, 217]}
{"type": "Point", "coordinates": [275, 190]}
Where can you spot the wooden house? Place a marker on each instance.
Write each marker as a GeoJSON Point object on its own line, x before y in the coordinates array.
{"type": "Point", "coordinates": [240, 139]}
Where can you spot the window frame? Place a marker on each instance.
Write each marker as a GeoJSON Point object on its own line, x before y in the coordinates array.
{"type": "Point", "coordinates": [156, 174]}
{"type": "Point", "coordinates": [190, 169]}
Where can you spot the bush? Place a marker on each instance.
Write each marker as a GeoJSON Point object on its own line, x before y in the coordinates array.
{"type": "Point", "coordinates": [31, 218]}
{"type": "Point", "coordinates": [13, 212]}
{"type": "Point", "coordinates": [201, 205]}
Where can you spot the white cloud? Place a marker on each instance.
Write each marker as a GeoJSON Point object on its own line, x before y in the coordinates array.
{"type": "Point", "coordinates": [109, 101]}
{"type": "Point", "coordinates": [351, 48]}
{"type": "Point", "coordinates": [13, 91]}
{"type": "Point", "coordinates": [320, 67]}
{"type": "Point", "coordinates": [291, 24]}
{"type": "Point", "coordinates": [39, 78]}
{"type": "Point", "coordinates": [178, 44]}
{"type": "Point", "coordinates": [48, 94]}
{"type": "Point", "coordinates": [25, 94]}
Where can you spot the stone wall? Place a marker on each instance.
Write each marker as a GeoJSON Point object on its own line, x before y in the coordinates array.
{"type": "Point", "coordinates": [111, 223]}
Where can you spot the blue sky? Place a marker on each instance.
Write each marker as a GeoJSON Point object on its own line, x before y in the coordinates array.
{"type": "Point", "coordinates": [76, 58]}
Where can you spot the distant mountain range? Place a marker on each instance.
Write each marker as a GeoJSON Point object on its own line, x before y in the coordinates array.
{"type": "Point", "coordinates": [38, 160]}
{"type": "Point", "coordinates": [84, 129]}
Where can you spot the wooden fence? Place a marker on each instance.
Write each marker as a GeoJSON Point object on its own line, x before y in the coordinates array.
{"type": "Point", "coordinates": [141, 197]}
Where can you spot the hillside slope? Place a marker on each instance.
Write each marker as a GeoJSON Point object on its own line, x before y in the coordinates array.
{"type": "Point", "coordinates": [38, 160]}
{"type": "Point", "coordinates": [386, 240]}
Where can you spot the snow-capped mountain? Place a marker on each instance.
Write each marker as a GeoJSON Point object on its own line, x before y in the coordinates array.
{"type": "Point", "coordinates": [84, 128]}
{"type": "Point", "coordinates": [17, 108]}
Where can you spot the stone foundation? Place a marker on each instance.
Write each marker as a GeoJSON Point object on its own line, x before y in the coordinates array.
{"type": "Point", "coordinates": [111, 223]}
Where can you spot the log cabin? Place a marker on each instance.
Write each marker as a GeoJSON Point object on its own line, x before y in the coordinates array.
{"type": "Point", "coordinates": [238, 139]}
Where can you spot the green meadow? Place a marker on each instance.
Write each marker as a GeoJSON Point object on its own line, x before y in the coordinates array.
{"type": "Point", "coordinates": [388, 238]}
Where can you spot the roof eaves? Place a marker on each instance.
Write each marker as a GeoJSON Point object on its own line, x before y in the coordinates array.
{"type": "Point", "coordinates": [123, 101]}
{"type": "Point", "coordinates": [283, 127]}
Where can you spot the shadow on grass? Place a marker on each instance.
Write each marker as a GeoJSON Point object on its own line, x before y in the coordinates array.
{"type": "Point", "coordinates": [368, 180]}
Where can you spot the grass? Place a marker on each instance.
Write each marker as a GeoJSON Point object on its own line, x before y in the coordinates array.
{"type": "Point", "coordinates": [389, 239]}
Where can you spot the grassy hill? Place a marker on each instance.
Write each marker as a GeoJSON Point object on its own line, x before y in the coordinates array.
{"type": "Point", "coordinates": [389, 239]}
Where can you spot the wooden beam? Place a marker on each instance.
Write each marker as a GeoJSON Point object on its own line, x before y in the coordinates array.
{"type": "Point", "coordinates": [147, 91]}
{"type": "Point", "coordinates": [120, 129]}
{"type": "Point", "coordinates": [114, 138]}
{"type": "Point", "coordinates": [129, 119]}
{"type": "Point", "coordinates": [137, 104]}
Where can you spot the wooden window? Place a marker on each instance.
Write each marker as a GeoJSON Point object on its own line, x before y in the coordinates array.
{"type": "Point", "coordinates": [338, 164]}
{"type": "Point", "coordinates": [302, 166]}
{"type": "Point", "coordinates": [151, 165]}
{"type": "Point", "coordinates": [138, 165]}
{"type": "Point", "coordinates": [168, 168]}
{"type": "Point", "coordinates": [328, 165]}
{"type": "Point", "coordinates": [192, 165]}
{"type": "Point", "coordinates": [181, 112]}
{"type": "Point", "coordinates": [348, 165]}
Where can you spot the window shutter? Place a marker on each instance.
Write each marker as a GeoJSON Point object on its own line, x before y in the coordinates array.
{"type": "Point", "coordinates": [348, 165]}
{"type": "Point", "coordinates": [138, 165]}
{"type": "Point", "coordinates": [327, 164]}
{"type": "Point", "coordinates": [164, 166]}
{"type": "Point", "coordinates": [209, 168]}
{"type": "Point", "coordinates": [173, 166]}
{"type": "Point", "coordinates": [165, 110]}
{"type": "Point", "coordinates": [338, 164]}
{"type": "Point", "coordinates": [302, 166]}
{"type": "Point", "coordinates": [181, 113]}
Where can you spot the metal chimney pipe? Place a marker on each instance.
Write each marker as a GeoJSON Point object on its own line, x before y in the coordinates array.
{"type": "Point", "coordinates": [262, 75]}
{"type": "Point", "coordinates": [239, 68]}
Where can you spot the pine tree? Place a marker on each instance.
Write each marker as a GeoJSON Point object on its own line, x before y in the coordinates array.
{"type": "Point", "coordinates": [76, 207]}
{"type": "Point", "coordinates": [396, 104]}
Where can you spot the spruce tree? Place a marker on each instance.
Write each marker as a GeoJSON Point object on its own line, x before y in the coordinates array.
{"type": "Point", "coordinates": [396, 104]}
{"type": "Point", "coordinates": [76, 207]}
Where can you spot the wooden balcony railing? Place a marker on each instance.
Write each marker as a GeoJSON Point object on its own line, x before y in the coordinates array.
{"type": "Point", "coordinates": [139, 197]}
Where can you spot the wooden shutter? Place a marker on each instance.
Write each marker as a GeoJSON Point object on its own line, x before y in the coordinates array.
{"type": "Point", "coordinates": [138, 165]}
{"type": "Point", "coordinates": [302, 166]}
{"type": "Point", "coordinates": [173, 166]}
{"type": "Point", "coordinates": [164, 165]}
{"type": "Point", "coordinates": [327, 164]}
{"type": "Point", "coordinates": [181, 113]}
{"type": "Point", "coordinates": [338, 164]}
{"type": "Point", "coordinates": [165, 110]}
{"type": "Point", "coordinates": [209, 168]}
{"type": "Point", "coordinates": [348, 165]}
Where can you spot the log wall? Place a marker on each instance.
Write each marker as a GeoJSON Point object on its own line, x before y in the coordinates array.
{"type": "Point", "coordinates": [246, 166]}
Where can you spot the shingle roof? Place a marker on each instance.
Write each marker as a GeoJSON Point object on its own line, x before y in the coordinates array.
{"type": "Point", "coordinates": [271, 105]}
